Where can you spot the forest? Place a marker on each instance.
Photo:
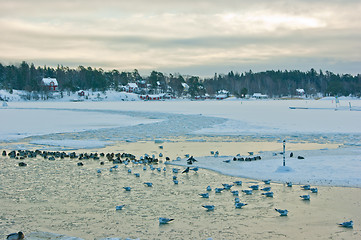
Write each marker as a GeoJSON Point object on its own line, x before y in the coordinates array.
{"type": "Point", "coordinates": [274, 83]}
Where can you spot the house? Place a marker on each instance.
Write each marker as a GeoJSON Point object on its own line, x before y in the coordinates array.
{"type": "Point", "coordinates": [131, 88]}
{"type": "Point", "coordinates": [185, 87]}
{"type": "Point", "coordinates": [259, 96]}
{"type": "Point", "coordinates": [50, 83]}
{"type": "Point", "coordinates": [300, 91]}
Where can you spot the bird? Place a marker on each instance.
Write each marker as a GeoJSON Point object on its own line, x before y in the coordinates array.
{"type": "Point", "coordinates": [306, 187]}
{"type": "Point", "coordinates": [227, 161]}
{"type": "Point", "coordinates": [289, 184]}
{"type": "Point", "coordinates": [174, 177]}
{"type": "Point", "coordinates": [120, 207]}
{"type": "Point", "coordinates": [218, 190]}
{"type": "Point", "coordinates": [239, 204]}
{"type": "Point", "coordinates": [208, 207]}
{"type": "Point", "coordinates": [137, 174]}
{"type": "Point", "coordinates": [268, 181]}
{"type": "Point", "coordinates": [238, 182]}
{"type": "Point", "coordinates": [129, 170]}
{"type": "Point", "coordinates": [15, 236]}
{"type": "Point", "coordinates": [175, 181]}
{"type": "Point", "coordinates": [291, 154]}
{"type": "Point", "coordinates": [247, 191]}
{"type": "Point", "coordinates": [175, 170]}
{"type": "Point", "coordinates": [254, 187]}
{"type": "Point", "coordinates": [227, 186]}
{"type": "Point", "coordinates": [144, 168]}
{"type": "Point", "coordinates": [314, 190]}
{"type": "Point", "coordinates": [204, 195]}
{"type": "Point", "coordinates": [305, 197]}
{"type": "Point", "coordinates": [283, 212]}
{"type": "Point", "coordinates": [268, 194]}
{"type": "Point", "coordinates": [127, 188]}
{"type": "Point", "coordinates": [266, 189]}
{"type": "Point", "coordinates": [235, 193]}
{"type": "Point", "coordinates": [163, 220]}
{"type": "Point", "coordinates": [99, 171]}
{"type": "Point", "coordinates": [209, 188]}
{"type": "Point", "coordinates": [186, 170]}
{"type": "Point", "coordinates": [348, 224]}
{"type": "Point", "coordinates": [195, 169]}
{"type": "Point", "coordinates": [149, 184]}
{"type": "Point", "coordinates": [236, 200]}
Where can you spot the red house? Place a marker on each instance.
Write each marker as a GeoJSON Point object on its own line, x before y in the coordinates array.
{"type": "Point", "coordinates": [51, 83]}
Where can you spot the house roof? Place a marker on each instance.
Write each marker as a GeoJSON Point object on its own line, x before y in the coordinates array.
{"type": "Point", "coordinates": [132, 85]}
{"type": "Point", "coordinates": [47, 81]}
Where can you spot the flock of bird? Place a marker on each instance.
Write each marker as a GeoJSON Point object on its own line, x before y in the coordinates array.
{"type": "Point", "coordinates": [150, 162]}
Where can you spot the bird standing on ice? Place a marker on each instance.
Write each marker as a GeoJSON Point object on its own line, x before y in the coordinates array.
{"type": "Point", "coordinates": [283, 212]}
{"type": "Point", "coordinates": [15, 236]}
{"type": "Point", "coordinates": [209, 207]}
{"type": "Point", "coordinates": [163, 220]}
{"type": "Point", "coordinates": [346, 224]}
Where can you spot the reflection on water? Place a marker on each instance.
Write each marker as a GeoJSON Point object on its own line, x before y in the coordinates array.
{"type": "Point", "coordinates": [61, 197]}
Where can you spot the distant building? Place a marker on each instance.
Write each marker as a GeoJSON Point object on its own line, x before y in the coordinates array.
{"type": "Point", "coordinates": [300, 91]}
{"type": "Point", "coordinates": [259, 96]}
{"type": "Point", "coordinates": [50, 83]}
{"type": "Point", "coordinates": [131, 88]}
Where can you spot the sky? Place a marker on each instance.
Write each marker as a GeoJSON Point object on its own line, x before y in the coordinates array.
{"type": "Point", "coordinates": [195, 37]}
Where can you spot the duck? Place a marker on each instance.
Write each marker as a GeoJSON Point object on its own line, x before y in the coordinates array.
{"type": "Point", "coordinates": [235, 193]}
{"type": "Point", "coordinates": [314, 190]}
{"type": "Point", "coordinates": [266, 189]}
{"type": "Point", "coordinates": [15, 236]}
{"type": "Point", "coordinates": [120, 207]}
{"type": "Point", "coordinates": [306, 187]}
{"type": "Point", "coordinates": [238, 182]}
{"type": "Point", "coordinates": [209, 188]}
{"type": "Point", "coordinates": [127, 188]}
{"type": "Point", "coordinates": [218, 190]}
{"type": "Point", "coordinates": [247, 191]}
{"type": "Point", "coordinates": [268, 181]}
{"type": "Point", "coordinates": [149, 184]}
{"type": "Point", "coordinates": [254, 187]}
{"type": "Point", "coordinates": [282, 212]}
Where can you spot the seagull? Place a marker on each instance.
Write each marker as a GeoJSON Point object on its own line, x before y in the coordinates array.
{"type": "Point", "coordinates": [235, 193]}
{"type": "Point", "coordinates": [175, 181]}
{"type": "Point", "coordinates": [212, 152]}
{"type": "Point", "coordinates": [236, 200]}
{"type": "Point", "coordinates": [209, 188]}
{"type": "Point", "coordinates": [186, 170]}
{"type": "Point", "coordinates": [195, 169]}
{"type": "Point", "coordinates": [227, 161]}
{"type": "Point", "coordinates": [227, 186]}
{"type": "Point", "coordinates": [306, 187]}
{"type": "Point", "coordinates": [268, 194]}
{"type": "Point", "coordinates": [149, 184]}
{"type": "Point", "coordinates": [127, 188]}
{"type": "Point", "coordinates": [239, 204]}
{"type": "Point", "coordinates": [289, 184]}
{"type": "Point", "coordinates": [305, 197]}
{"type": "Point", "coordinates": [164, 169]}
{"type": "Point", "coordinates": [144, 168]}
{"type": "Point", "coordinates": [314, 190]}
{"type": "Point", "coordinates": [120, 207]}
{"type": "Point", "coordinates": [137, 174]}
{"type": "Point", "coordinates": [268, 181]}
{"type": "Point", "coordinates": [174, 177]}
{"type": "Point", "coordinates": [175, 170]}
{"type": "Point", "coordinates": [204, 195]}
{"type": "Point", "coordinates": [238, 182]}
{"type": "Point", "coordinates": [283, 212]}
{"type": "Point", "coordinates": [99, 171]}
{"type": "Point", "coordinates": [266, 189]}
{"type": "Point", "coordinates": [165, 220]}
{"type": "Point", "coordinates": [254, 187]}
{"type": "Point", "coordinates": [247, 191]}
{"type": "Point", "coordinates": [129, 170]}
{"type": "Point", "coordinates": [346, 224]}
{"type": "Point", "coordinates": [15, 236]}
{"type": "Point", "coordinates": [209, 207]}
{"type": "Point", "coordinates": [218, 190]}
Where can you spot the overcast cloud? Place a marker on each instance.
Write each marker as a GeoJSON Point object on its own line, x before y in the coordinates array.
{"type": "Point", "coordinates": [190, 37]}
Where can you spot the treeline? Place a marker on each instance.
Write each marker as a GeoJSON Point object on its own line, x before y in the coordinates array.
{"type": "Point", "coordinates": [273, 83]}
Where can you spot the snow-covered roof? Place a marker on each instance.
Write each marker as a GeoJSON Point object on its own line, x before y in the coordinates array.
{"type": "Point", "coordinates": [47, 81]}
{"type": "Point", "coordinates": [132, 85]}
{"type": "Point", "coordinates": [300, 90]}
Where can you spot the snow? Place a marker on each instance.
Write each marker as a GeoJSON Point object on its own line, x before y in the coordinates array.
{"type": "Point", "coordinates": [97, 124]}
{"type": "Point", "coordinates": [48, 81]}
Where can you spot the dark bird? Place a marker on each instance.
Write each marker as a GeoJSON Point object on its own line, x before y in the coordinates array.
{"type": "Point", "coordinates": [186, 170]}
{"type": "Point", "coordinates": [291, 154]}
{"type": "Point", "coordinates": [15, 236]}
